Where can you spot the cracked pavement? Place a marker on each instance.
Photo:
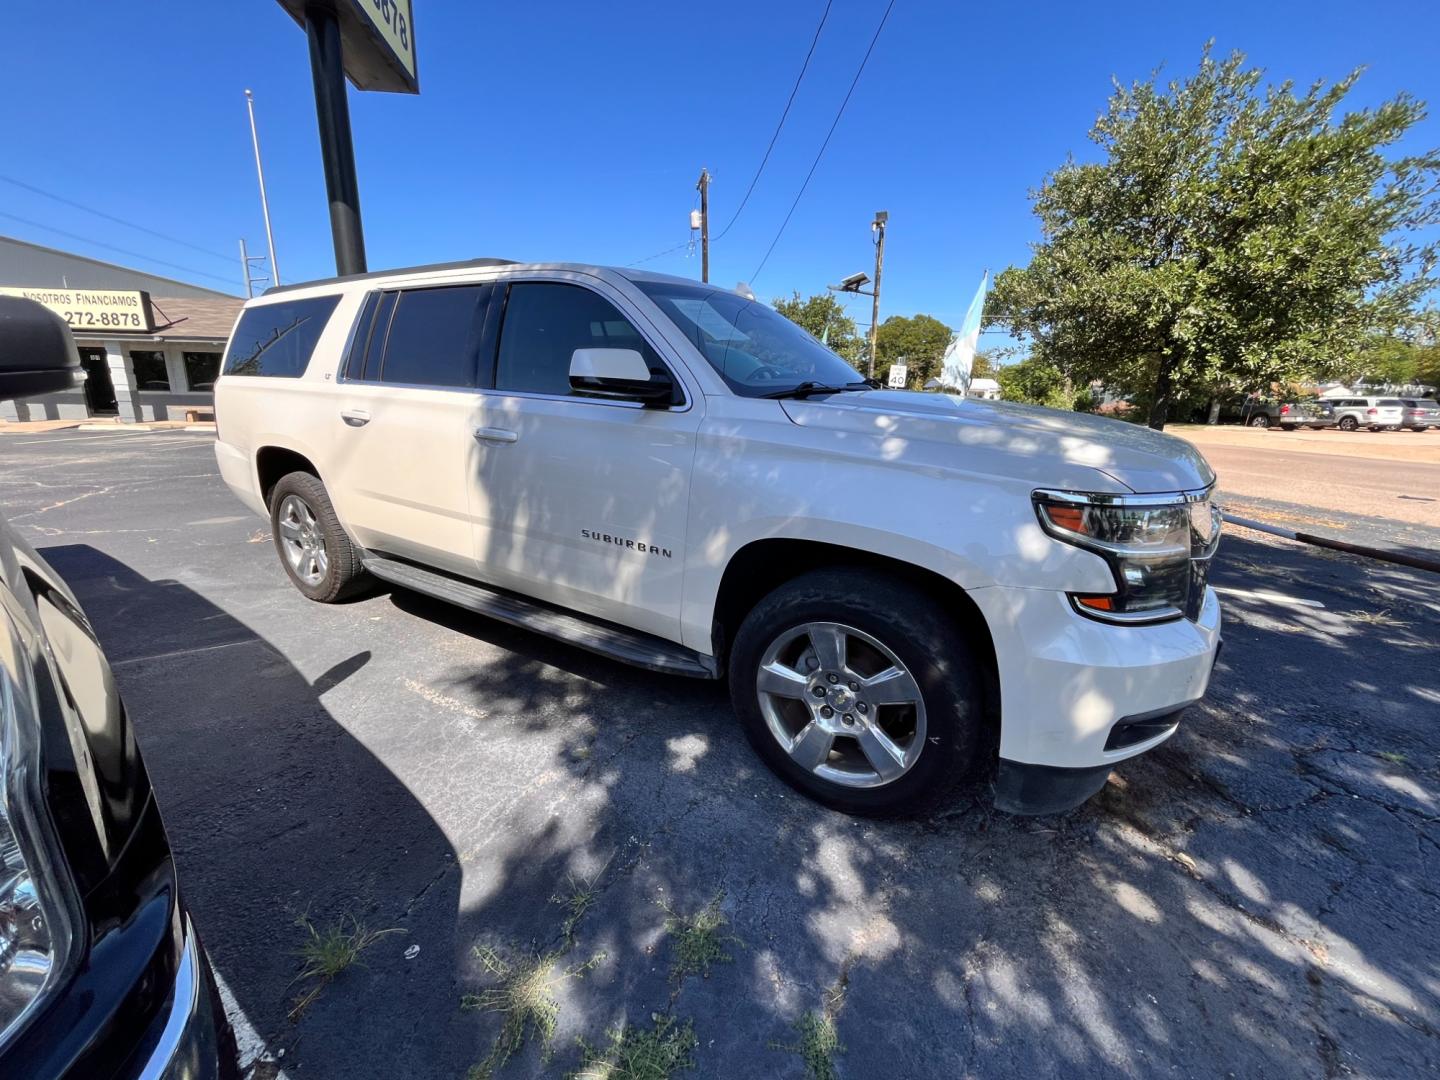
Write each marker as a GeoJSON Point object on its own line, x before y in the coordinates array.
{"type": "Point", "coordinates": [1258, 897]}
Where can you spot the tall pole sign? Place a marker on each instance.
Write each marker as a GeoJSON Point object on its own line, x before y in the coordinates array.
{"type": "Point", "coordinates": [373, 43]}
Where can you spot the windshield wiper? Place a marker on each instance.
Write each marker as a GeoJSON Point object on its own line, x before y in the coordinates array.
{"type": "Point", "coordinates": [806, 389]}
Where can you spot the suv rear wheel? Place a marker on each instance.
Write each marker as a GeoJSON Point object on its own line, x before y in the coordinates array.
{"type": "Point", "coordinates": [1348, 423]}
{"type": "Point", "coordinates": [859, 690]}
{"type": "Point", "coordinates": [1260, 420]}
{"type": "Point", "coordinates": [315, 551]}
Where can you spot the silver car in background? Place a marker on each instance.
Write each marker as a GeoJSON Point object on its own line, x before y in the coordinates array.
{"type": "Point", "coordinates": [1420, 413]}
{"type": "Point", "coordinates": [1374, 413]}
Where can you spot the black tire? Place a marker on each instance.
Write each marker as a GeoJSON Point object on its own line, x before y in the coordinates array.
{"type": "Point", "coordinates": [1348, 423]}
{"type": "Point", "coordinates": [921, 634]}
{"type": "Point", "coordinates": [344, 575]}
{"type": "Point", "coordinates": [1260, 420]}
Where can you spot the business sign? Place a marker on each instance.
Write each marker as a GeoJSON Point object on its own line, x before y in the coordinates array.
{"type": "Point", "coordinates": [95, 310]}
{"type": "Point", "coordinates": [897, 376]}
{"type": "Point", "coordinates": [377, 41]}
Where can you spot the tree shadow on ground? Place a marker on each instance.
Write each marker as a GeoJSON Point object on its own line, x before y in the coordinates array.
{"type": "Point", "coordinates": [1252, 898]}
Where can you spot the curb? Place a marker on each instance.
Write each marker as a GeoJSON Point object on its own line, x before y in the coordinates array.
{"type": "Point", "coordinates": [1401, 558]}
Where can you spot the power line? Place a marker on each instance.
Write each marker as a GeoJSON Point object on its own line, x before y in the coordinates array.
{"type": "Point", "coordinates": [677, 247]}
{"type": "Point", "coordinates": [791, 101]}
{"type": "Point", "coordinates": [112, 247]}
{"type": "Point", "coordinates": [657, 255]}
{"type": "Point", "coordinates": [800, 194]}
{"type": "Point", "coordinates": [112, 217]}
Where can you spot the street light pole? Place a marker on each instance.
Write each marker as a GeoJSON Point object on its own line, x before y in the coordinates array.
{"type": "Point", "coordinates": [877, 227]}
{"type": "Point", "coordinates": [264, 202]}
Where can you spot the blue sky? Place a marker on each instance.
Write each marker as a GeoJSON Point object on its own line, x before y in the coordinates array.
{"type": "Point", "coordinates": [567, 130]}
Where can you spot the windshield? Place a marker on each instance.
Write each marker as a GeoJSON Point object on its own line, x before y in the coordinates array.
{"type": "Point", "coordinates": [755, 349]}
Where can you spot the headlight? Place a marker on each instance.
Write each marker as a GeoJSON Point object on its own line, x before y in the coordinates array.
{"type": "Point", "coordinates": [1158, 547]}
{"type": "Point", "coordinates": [35, 923]}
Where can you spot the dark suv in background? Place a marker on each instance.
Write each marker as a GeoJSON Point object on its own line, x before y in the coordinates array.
{"type": "Point", "coordinates": [1286, 415]}
{"type": "Point", "coordinates": [101, 972]}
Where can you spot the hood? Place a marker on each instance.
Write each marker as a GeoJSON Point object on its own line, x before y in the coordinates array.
{"type": "Point", "coordinates": [1025, 441]}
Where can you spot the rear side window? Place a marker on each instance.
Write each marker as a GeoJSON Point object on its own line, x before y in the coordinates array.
{"type": "Point", "coordinates": [434, 337]}
{"type": "Point", "coordinates": [277, 339]}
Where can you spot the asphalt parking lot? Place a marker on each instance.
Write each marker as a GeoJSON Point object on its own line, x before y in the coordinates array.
{"type": "Point", "coordinates": [1259, 897]}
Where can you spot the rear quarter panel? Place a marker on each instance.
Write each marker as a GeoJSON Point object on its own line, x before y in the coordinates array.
{"type": "Point", "coordinates": [295, 414]}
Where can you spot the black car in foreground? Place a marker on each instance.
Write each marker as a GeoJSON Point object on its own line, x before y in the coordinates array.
{"type": "Point", "coordinates": [101, 972]}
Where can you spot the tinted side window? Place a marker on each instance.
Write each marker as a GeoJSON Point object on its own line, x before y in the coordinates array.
{"type": "Point", "coordinates": [545, 323]}
{"type": "Point", "coordinates": [360, 339]}
{"type": "Point", "coordinates": [277, 339]}
{"type": "Point", "coordinates": [434, 337]}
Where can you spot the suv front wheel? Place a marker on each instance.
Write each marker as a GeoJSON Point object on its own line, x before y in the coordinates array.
{"type": "Point", "coordinates": [315, 551]}
{"type": "Point", "coordinates": [859, 690]}
{"type": "Point", "coordinates": [1348, 423]}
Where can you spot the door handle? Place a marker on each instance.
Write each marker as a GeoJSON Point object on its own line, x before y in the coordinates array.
{"type": "Point", "coordinates": [355, 417]}
{"type": "Point", "coordinates": [495, 434]}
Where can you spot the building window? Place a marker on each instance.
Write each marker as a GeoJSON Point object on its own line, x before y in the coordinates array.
{"type": "Point", "coordinates": [201, 371]}
{"type": "Point", "coordinates": [150, 372]}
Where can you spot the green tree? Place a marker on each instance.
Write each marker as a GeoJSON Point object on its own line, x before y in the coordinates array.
{"type": "Point", "coordinates": [1231, 235]}
{"type": "Point", "coordinates": [1036, 381]}
{"type": "Point", "coordinates": [917, 341]}
{"type": "Point", "coordinates": [1382, 358]}
{"type": "Point", "coordinates": [985, 365]}
{"type": "Point", "coordinates": [825, 319]}
{"type": "Point", "coordinates": [1427, 365]}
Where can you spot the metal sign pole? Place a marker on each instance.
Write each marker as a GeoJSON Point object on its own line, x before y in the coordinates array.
{"type": "Point", "coordinates": [332, 111]}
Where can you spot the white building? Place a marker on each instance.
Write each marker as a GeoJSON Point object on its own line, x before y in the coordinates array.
{"type": "Point", "coordinates": [150, 345]}
{"type": "Point", "coordinates": [988, 389]}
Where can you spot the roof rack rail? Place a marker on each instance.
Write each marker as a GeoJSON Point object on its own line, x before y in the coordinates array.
{"type": "Point", "coordinates": [462, 264]}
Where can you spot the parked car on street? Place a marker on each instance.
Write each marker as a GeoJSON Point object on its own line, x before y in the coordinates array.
{"type": "Point", "coordinates": [101, 972]}
{"type": "Point", "coordinates": [1375, 413]}
{"type": "Point", "coordinates": [678, 477]}
{"type": "Point", "coordinates": [1286, 415]}
{"type": "Point", "coordinates": [1419, 414]}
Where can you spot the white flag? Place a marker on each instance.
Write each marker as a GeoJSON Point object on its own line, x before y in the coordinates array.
{"type": "Point", "coordinates": [959, 357]}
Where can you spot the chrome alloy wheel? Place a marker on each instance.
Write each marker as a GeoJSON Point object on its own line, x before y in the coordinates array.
{"type": "Point", "coordinates": [841, 704]}
{"type": "Point", "coordinates": [302, 540]}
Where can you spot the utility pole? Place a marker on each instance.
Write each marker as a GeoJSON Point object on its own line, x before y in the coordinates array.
{"type": "Point", "coordinates": [245, 260]}
{"type": "Point", "coordinates": [264, 202]}
{"type": "Point", "coordinates": [877, 229]}
{"type": "Point", "coordinates": [704, 188]}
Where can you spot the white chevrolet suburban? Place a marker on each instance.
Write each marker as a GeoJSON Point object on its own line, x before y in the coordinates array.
{"type": "Point", "coordinates": [898, 586]}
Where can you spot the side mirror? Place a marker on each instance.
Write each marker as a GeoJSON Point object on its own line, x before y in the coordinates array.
{"type": "Point", "coordinates": [37, 353]}
{"type": "Point", "coordinates": [621, 374]}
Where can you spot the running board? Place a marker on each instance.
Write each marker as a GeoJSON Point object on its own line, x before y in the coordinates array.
{"type": "Point", "coordinates": [628, 646]}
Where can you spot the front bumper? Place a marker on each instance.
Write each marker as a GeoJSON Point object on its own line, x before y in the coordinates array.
{"type": "Point", "coordinates": [190, 1044]}
{"type": "Point", "coordinates": [1078, 696]}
